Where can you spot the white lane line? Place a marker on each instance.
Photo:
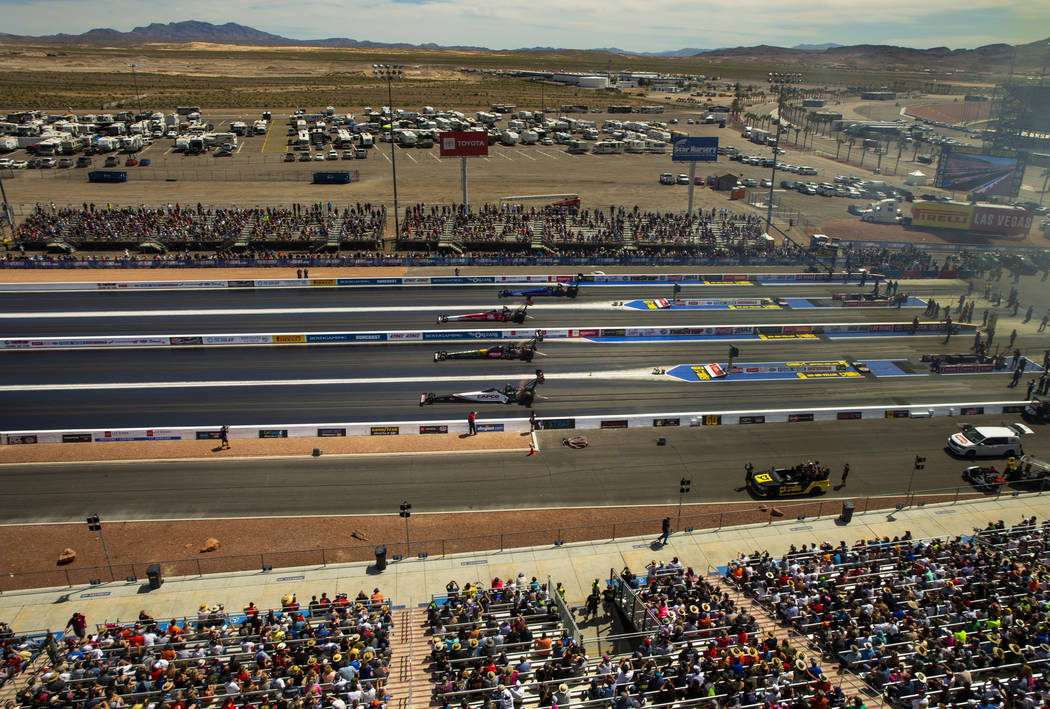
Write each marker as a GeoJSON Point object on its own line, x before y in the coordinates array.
{"type": "Point", "coordinates": [451, 310]}
{"type": "Point", "coordinates": [409, 156]}
{"type": "Point", "coordinates": [527, 156]}
{"type": "Point", "coordinates": [645, 374]}
{"type": "Point", "coordinates": [435, 157]}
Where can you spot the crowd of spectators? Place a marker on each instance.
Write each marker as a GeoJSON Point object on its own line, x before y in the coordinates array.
{"type": "Point", "coordinates": [333, 653]}
{"type": "Point", "coordinates": [16, 652]}
{"type": "Point", "coordinates": [616, 230]}
{"type": "Point", "coordinates": [180, 226]}
{"type": "Point", "coordinates": [963, 621]}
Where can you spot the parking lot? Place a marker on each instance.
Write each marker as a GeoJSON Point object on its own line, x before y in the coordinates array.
{"type": "Point", "coordinates": [255, 173]}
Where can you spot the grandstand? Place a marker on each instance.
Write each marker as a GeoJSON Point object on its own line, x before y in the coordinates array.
{"type": "Point", "coordinates": [311, 229]}
{"type": "Point", "coordinates": [514, 228]}
{"type": "Point", "coordinates": [908, 622]}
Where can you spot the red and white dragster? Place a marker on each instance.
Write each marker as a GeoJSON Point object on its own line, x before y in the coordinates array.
{"type": "Point", "coordinates": [503, 314]}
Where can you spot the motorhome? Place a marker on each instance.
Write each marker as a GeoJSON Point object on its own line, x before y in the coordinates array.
{"type": "Point", "coordinates": [608, 147]}
{"type": "Point", "coordinates": [634, 146]}
{"type": "Point", "coordinates": [657, 147]}
{"type": "Point", "coordinates": [529, 137]}
{"type": "Point", "coordinates": [509, 137]}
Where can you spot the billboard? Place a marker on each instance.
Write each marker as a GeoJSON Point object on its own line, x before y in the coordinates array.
{"type": "Point", "coordinates": [1001, 219]}
{"type": "Point", "coordinates": [694, 150]}
{"type": "Point", "coordinates": [940, 215]}
{"type": "Point", "coordinates": [982, 172]}
{"type": "Point", "coordinates": [984, 218]}
{"type": "Point", "coordinates": [456, 144]}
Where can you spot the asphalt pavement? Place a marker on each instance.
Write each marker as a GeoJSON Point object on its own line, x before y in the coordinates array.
{"type": "Point", "coordinates": [296, 384]}
{"type": "Point", "coordinates": [617, 468]}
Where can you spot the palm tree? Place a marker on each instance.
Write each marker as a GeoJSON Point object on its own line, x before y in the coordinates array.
{"type": "Point", "coordinates": [900, 149]}
{"type": "Point", "coordinates": [839, 140]}
{"type": "Point", "coordinates": [863, 152]}
{"type": "Point", "coordinates": [1046, 181]}
{"type": "Point", "coordinates": [849, 151]}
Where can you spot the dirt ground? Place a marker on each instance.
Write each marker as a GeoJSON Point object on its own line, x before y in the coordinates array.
{"type": "Point", "coordinates": [31, 551]}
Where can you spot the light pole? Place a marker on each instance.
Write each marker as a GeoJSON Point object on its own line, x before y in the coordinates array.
{"type": "Point", "coordinates": [405, 512]}
{"type": "Point", "coordinates": [683, 488]}
{"type": "Point", "coordinates": [95, 525]}
{"type": "Point", "coordinates": [135, 84]}
{"type": "Point", "coordinates": [388, 72]}
{"type": "Point", "coordinates": [779, 81]}
{"type": "Point", "coordinates": [920, 463]}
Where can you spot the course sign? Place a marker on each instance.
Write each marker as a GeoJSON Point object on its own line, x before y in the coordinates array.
{"type": "Point", "coordinates": [694, 150]}
{"type": "Point", "coordinates": [455, 144]}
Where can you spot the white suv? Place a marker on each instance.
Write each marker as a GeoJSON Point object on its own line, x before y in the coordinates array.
{"type": "Point", "coordinates": [992, 441]}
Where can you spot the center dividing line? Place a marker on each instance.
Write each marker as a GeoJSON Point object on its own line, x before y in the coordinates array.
{"type": "Point", "coordinates": [507, 378]}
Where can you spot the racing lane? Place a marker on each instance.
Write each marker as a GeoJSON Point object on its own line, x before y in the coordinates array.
{"type": "Point", "coordinates": [426, 320]}
{"type": "Point", "coordinates": [304, 402]}
{"type": "Point", "coordinates": [619, 467]}
{"type": "Point", "coordinates": [416, 359]}
{"type": "Point", "coordinates": [453, 296]}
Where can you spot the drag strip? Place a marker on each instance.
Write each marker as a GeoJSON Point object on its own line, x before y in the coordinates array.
{"type": "Point", "coordinates": [619, 467]}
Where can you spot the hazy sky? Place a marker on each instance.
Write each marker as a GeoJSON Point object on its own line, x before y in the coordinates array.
{"type": "Point", "coordinates": [638, 25]}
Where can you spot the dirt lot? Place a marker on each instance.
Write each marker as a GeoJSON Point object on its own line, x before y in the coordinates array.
{"type": "Point", "coordinates": [422, 176]}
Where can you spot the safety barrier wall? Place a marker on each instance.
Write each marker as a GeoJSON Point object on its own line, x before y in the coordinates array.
{"type": "Point", "coordinates": [517, 424]}
{"type": "Point", "coordinates": [420, 281]}
{"type": "Point", "coordinates": [401, 336]}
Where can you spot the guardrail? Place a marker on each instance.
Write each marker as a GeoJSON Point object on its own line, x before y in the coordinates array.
{"type": "Point", "coordinates": [514, 424]}
{"type": "Point", "coordinates": [271, 562]}
{"type": "Point", "coordinates": [724, 332]}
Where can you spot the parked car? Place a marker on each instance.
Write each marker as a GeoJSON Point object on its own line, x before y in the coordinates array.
{"type": "Point", "coordinates": [749, 182]}
{"type": "Point", "coordinates": [683, 179]}
{"type": "Point", "coordinates": [19, 165]}
{"type": "Point", "coordinates": [289, 157]}
{"type": "Point", "coordinates": [666, 178]}
{"type": "Point", "coordinates": [699, 180]}
{"type": "Point", "coordinates": [144, 162]}
{"type": "Point", "coordinates": [131, 162]}
{"type": "Point", "coordinates": [788, 184]}
{"type": "Point", "coordinates": [765, 182]}
{"type": "Point", "coordinates": [348, 155]}
{"type": "Point", "coordinates": [48, 162]}
{"type": "Point", "coordinates": [223, 153]}
{"type": "Point", "coordinates": [65, 162]}
{"type": "Point", "coordinates": [318, 157]}
{"type": "Point", "coordinates": [305, 157]}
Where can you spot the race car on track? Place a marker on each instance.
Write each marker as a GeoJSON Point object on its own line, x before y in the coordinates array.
{"type": "Point", "coordinates": [788, 482]}
{"type": "Point", "coordinates": [984, 479]}
{"type": "Point", "coordinates": [559, 290]}
{"type": "Point", "coordinates": [503, 314]}
{"type": "Point", "coordinates": [524, 350]}
{"type": "Point", "coordinates": [523, 394]}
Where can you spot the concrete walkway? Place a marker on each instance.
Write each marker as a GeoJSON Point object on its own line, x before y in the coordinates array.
{"type": "Point", "coordinates": [412, 582]}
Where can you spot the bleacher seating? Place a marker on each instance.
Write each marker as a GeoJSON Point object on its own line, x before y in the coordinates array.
{"type": "Point", "coordinates": [333, 652]}
{"type": "Point", "coordinates": [175, 227]}
{"type": "Point", "coordinates": [932, 621]}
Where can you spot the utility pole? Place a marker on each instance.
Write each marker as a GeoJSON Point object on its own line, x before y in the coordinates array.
{"type": "Point", "coordinates": [388, 72]}
{"type": "Point", "coordinates": [779, 81]}
{"type": "Point", "coordinates": [135, 84]}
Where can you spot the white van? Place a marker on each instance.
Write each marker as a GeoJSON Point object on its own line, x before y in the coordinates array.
{"type": "Point", "coordinates": [990, 441]}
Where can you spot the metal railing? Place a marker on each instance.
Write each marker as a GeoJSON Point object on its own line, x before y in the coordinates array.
{"type": "Point", "coordinates": [810, 509]}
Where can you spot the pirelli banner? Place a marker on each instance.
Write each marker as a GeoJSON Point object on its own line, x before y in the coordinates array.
{"type": "Point", "coordinates": [941, 215]}
{"type": "Point", "coordinates": [983, 218]}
